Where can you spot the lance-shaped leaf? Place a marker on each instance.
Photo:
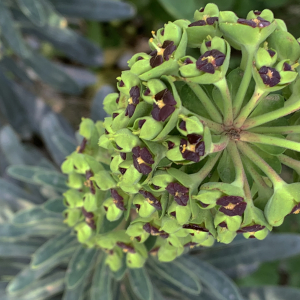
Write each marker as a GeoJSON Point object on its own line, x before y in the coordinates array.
{"type": "Point", "coordinates": [34, 10]}
{"type": "Point", "coordinates": [141, 283]}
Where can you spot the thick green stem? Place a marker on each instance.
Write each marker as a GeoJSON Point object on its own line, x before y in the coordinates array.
{"type": "Point", "coordinates": [277, 129]}
{"type": "Point", "coordinates": [269, 140]}
{"type": "Point", "coordinates": [207, 102]}
{"type": "Point", "coordinates": [215, 127]}
{"type": "Point", "coordinates": [271, 116]}
{"type": "Point", "coordinates": [206, 169]}
{"type": "Point", "coordinates": [249, 107]}
{"type": "Point", "coordinates": [239, 98]}
{"type": "Point", "coordinates": [257, 160]}
{"type": "Point", "coordinates": [290, 162]}
{"type": "Point", "coordinates": [237, 162]}
{"type": "Point", "coordinates": [227, 104]}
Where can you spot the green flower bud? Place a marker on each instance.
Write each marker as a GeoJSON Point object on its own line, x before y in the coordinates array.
{"type": "Point", "coordinates": [127, 81]}
{"type": "Point", "coordinates": [147, 128]}
{"type": "Point", "coordinates": [135, 260]}
{"type": "Point", "coordinates": [161, 180]}
{"type": "Point", "coordinates": [170, 225]}
{"type": "Point", "coordinates": [73, 198]}
{"type": "Point", "coordinates": [233, 223]}
{"type": "Point", "coordinates": [225, 236]}
{"type": "Point", "coordinates": [154, 86]}
{"type": "Point", "coordinates": [113, 213]}
{"type": "Point", "coordinates": [137, 231]}
{"type": "Point", "coordinates": [84, 232]}
{"type": "Point", "coordinates": [208, 199]}
{"type": "Point", "coordinates": [286, 71]}
{"type": "Point", "coordinates": [214, 43]}
{"type": "Point", "coordinates": [75, 181]}
{"type": "Point", "coordinates": [72, 216]}
{"type": "Point", "coordinates": [139, 63]}
{"type": "Point", "coordinates": [167, 252]}
{"type": "Point", "coordinates": [276, 210]}
{"type": "Point", "coordinates": [265, 57]}
{"type": "Point", "coordinates": [103, 180]}
{"type": "Point", "coordinates": [246, 32]}
{"type": "Point", "coordinates": [209, 242]}
{"type": "Point", "coordinates": [114, 260]}
{"type": "Point", "coordinates": [110, 103]}
{"type": "Point", "coordinates": [181, 213]}
{"type": "Point", "coordinates": [188, 125]}
{"type": "Point", "coordinates": [129, 182]}
{"type": "Point", "coordinates": [86, 128]}
{"type": "Point", "coordinates": [126, 140]}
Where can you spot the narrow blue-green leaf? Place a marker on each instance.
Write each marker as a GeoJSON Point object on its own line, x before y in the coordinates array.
{"type": "Point", "coordinates": [55, 205]}
{"type": "Point", "coordinates": [177, 274]}
{"type": "Point", "coordinates": [53, 248]}
{"type": "Point", "coordinates": [51, 74]}
{"type": "Point", "coordinates": [243, 252]}
{"type": "Point", "coordinates": [11, 32]}
{"type": "Point", "coordinates": [16, 197]}
{"type": "Point", "coordinates": [43, 288]}
{"type": "Point", "coordinates": [121, 272]}
{"type": "Point", "coordinates": [11, 108]}
{"type": "Point", "coordinates": [270, 293]}
{"type": "Point", "coordinates": [82, 261]}
{"type": "Point", "coordinates": [64, 143]}
{"type": "Point", "coordinates": [70, 43]}
{"type": "Point", "coordinates": [34, 10]}
{"type": "Point", "coordinates": [35, 215]}
{"type": "Point", "coordinates": [104, 10]}
{"type": "Point", "coordinates": [102, 281]}
{"type": "Point", "coordinates": [50, 128]}
{"type": "Point", "coordinates": [45, 229]}
{"type": "Point", "coordinates": [29, 275]}
{"type": "Point", "coordinates": [51, 179]}
{"type": "Point", "coordinates": [221, 286]}
{"type": "Point", "coordinates": [97, 111]}
{"type": "Point", "coordinates": [141, 283]}
{"type": "Point", "coordinates": [19, 249]}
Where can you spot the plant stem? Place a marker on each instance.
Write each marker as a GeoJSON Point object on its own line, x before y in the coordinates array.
{"type": "Point", "coordinates": [203, 173]}
{"type": "Point", "coordinates": [227, 104]}
{"type": "Point", "coordinates": [237, 162]}
{"type": "Point", "coordinates": [269, 140]}
{"type": "Point", "coordinates": [216, 147]}
{"type": "Point", "coordinates": [215, 127]}
{"type": "Point", "coordinates": [239, 98]}
{"type": "Point", "coordinates": [290, 162]}
{"type": "Point", "coordinates": [277, 129]}
{"type": "Point", "coordinates": [256, 159]}
{"type": "Point", "coordinates": [248, 108]}
{"type": "Point", "coordinates": [206, 101]}
{"type": "Point", "coordinates": [271, 116]}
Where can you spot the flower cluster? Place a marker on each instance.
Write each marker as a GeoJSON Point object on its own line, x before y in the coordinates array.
{"type": "Point", "coordinates": [183, 160]}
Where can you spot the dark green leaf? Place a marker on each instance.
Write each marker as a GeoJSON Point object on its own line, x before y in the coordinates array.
{"type": "Point", "coordinates": [218, 283]}
{"type": "Point", "coordinates": [244, 252]}
{"type": "Point", "coordinates": [268, 104]}
{"type": "Point", "coordinates": [226, 168]}
{"type": "Point", "coordinates": [53, 249]}
{"type": "Point", "coordinates": [82, 261]}
{"type": "Point", "coordinates": [51, 179]}
{"type": "Point", "coordinates": [270, 293]}
{"type": "Point", "coordinates": [102, 281]}
{"type": "Point", "coordinates": [78, 292]}
{"type": "Point", "coordinates": [190, 100]}
{"type": "Point", "coordinates": [93, 10]}
{"type": "Point", "coordinates": [141, 283]}
{"type": "Point", "coordinates": [108, 226]}
{"type": "Point", "coordinates": [177, 274]}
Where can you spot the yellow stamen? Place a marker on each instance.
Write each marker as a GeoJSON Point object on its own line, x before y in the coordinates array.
{"type": "Point", "coordinates": [251, 233]}
{"type": "Point", "coordinates": [270, 74]}
{"type": "Point", "coordinates": [78, 148]}
{"type": "Point", "coordinates": [230, 206]}
{"type": "Point", "coordinates": [140, 160]}
{"type": "Point", "coordinates": [183, 148]}
{"type": "Point", "coordinates": [149, 201]}
{"type": "Point", "coordinates": [130, 101]}
{"type": "Point", "coordinates": [160, 104]}
{"type": "Point", "coordinates": [125, 250]}
{"type": "Point", "coordinates": [192, 148]}
{"type": "Point", "coordinates": [88, 183]}
{"type": "Point", "coordinates": [205, 17]}
{"type": "Point", "coordinates": [160, 51]}
{"type": "Point", "coordinates": [297, 211]}
{"type": "Point", "coordinates": [210, 59]}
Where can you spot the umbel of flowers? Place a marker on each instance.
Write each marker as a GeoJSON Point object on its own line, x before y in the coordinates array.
{"type": "Point", "coordinates": [192, 151]}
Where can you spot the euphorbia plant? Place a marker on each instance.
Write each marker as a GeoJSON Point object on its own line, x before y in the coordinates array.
{"type": "Point", "coordinates": [195, 148]}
